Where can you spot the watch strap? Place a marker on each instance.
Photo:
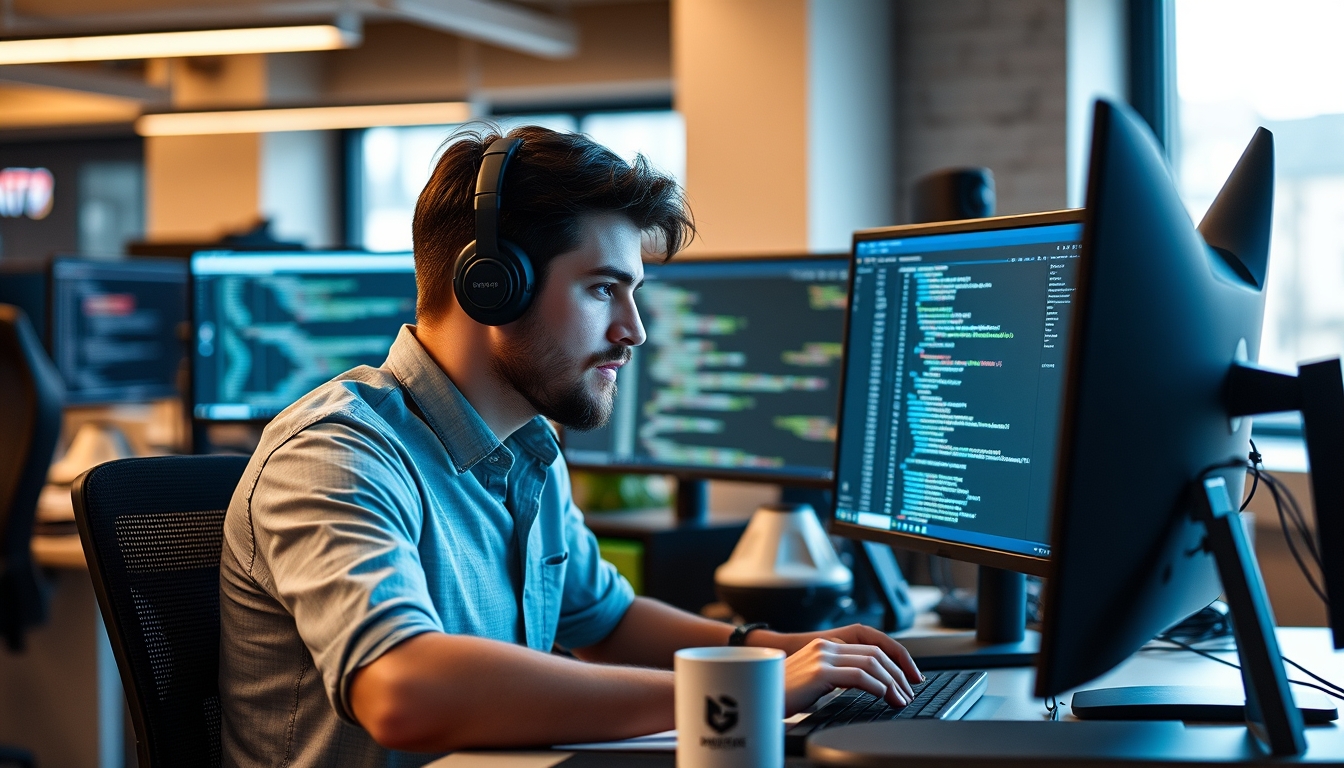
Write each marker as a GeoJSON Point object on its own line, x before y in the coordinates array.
{"type": "Point", "coordinates": [739, 636]}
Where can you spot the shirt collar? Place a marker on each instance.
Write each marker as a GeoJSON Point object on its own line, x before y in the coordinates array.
{"type": "Point", "coordinates": [459, 427]}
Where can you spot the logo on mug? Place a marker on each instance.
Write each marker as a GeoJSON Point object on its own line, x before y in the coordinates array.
{"type": "Point", "coordinates": [721, 715]}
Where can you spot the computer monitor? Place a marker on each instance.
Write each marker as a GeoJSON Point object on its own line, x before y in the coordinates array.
{"type": "Point", "coordinates": [115, 328]}
{"type": "Point", "coordinates": [1152, 459]}
{"type": "Point", "coordinates": [738, 378]}
{"type": "Point", "coordinates": [1162, 376]}
{"type": "Point", "coordinates": [954, 371]}
{"type": "Point", "coordinates": [269, 327]}
{"type": "Point", "coordinates": [23, 283]}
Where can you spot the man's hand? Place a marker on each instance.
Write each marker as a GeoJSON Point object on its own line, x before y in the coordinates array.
{"type": "Point", "coordinates": [855, 656]}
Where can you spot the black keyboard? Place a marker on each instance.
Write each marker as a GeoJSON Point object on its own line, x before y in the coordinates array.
{"type": "Point", "coordinates": [942, 696]}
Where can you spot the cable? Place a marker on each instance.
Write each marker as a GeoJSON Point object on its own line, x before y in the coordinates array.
{"type": "Point", "coordinates": [1333, 690]}
{"type": "Point", "coordinates": [1208, 623]}
{"type": "Point", "coordinates": [1287, 507]}
{"type": "Point", "coordinates": [1313, 675]}
{"type": "Point", "coordinates": [1052, 708]}
{"type": "Point", "coordinates": [1256, 459]}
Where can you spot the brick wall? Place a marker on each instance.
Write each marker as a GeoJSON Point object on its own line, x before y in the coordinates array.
{"type": "Point", "coordinates": [982, 82]}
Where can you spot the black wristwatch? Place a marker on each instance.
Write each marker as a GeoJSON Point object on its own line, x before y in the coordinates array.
{"type": "Point", "coordinates": [739, 636]}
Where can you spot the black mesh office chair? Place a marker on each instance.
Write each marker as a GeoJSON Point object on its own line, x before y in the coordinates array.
{"type": "Point", "coordinates": [31, 397]}
{"type": "Point", "coordinates": [152, 529]}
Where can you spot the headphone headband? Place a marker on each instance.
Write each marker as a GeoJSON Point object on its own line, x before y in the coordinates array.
{"type": "Point", "coordinates": [493, 278]}
{"type": "Point", "coordinates": [489, 194]}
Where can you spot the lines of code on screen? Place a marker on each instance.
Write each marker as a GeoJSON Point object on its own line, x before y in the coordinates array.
{"type": "Point", "coordinates": [115, 328]}
{"type": "Point", "coordinates": [954, 385]}
{"type": "Point", "coordinates": [270, 329]}
{"type": "Point", "coordinates": [739, 373]}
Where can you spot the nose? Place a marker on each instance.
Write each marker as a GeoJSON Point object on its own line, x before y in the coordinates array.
{"type": "Point", "coordinates": [626, 327]}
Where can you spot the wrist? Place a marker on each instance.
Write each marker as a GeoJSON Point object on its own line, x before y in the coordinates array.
{"type": "Point", "coordinates": [767, 638]}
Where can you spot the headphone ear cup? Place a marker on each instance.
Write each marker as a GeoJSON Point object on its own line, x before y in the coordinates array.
{"type": "Point", "coordinates": [493, 290]}
{"type": "Point", "coordinates": [460, 265]}
{"type": "Point", "coordinates": [520, 298]}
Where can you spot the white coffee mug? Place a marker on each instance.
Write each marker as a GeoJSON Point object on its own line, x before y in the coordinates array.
{"type": "Point", "coordinates": [729, 707]}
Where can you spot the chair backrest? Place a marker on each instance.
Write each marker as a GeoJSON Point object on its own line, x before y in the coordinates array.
{"type": "Point", "coordinates": [152, 530]}
{"type": "Point", "coordinates": [31, 397]}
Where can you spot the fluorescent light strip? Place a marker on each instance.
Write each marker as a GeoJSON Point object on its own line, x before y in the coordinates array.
{"type": "Point", "coordinates": [157, 45]}
{"type": "Point", "coordinates": [301, 119]}
{"type": "Point", "coordinates": [210, 263]}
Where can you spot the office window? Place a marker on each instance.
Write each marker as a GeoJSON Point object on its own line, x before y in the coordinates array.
{"type": "Point", "coordinates": [395, 163]}
{"type": "Point", "coordinates": [1276, 63]}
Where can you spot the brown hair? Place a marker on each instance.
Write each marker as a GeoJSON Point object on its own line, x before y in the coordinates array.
{"type": "Point", "coordinates": [553, 180]}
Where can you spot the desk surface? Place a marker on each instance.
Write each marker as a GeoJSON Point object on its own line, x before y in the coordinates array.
{"type": "Point", "coordinates": [63, 551]}
{"type": "Point", "coordinates": [1008, 697]}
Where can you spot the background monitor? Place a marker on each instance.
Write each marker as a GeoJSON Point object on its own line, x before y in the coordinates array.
{"type": "Point", "coordinates": [269, 327]}
{"type": "Point", "coordinates": [954, 372]}
{"type": "Point", "coordinates": [738, 378]}
{"type": "Point", "coordinates": [115, 328]}
{"type": "Point", "coordinates": [23, 283]}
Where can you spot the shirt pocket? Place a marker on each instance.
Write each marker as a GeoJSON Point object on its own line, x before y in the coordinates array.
{"type": "Point", "coordinates": [553, 592]}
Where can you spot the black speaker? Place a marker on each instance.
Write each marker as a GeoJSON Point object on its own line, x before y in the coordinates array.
{"type": "Point", "coordinates": [952, 194]}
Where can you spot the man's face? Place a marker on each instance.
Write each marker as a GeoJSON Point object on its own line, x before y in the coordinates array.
{"type": "Point", "coordinates": [562, 356]}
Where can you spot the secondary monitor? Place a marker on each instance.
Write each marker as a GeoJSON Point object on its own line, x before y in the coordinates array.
{"type": "Point", "coordinates": [115, 330]}
{"type": "Point", "coordinates": [738, 378]}
{"type": "Point", "coordinates": [1162, 382]}
{"type": "Point", "coordinates": [270, 327]}
{"type": "Point", "coordinates": [955, 356]}
{"type": "Point", "coordinates": [1151, 471]}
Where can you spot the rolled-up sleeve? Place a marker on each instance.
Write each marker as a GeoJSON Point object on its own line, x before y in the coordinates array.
{"type": "Point", "coordinates": [596, 596]}
{"type": "Point", "coordinates": [336, 525]}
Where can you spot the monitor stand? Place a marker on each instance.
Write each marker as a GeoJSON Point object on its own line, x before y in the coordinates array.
{"type": "Point", "coordinates": [1270, 712]}
{"type": "Point", "coordinates": [1001, 637]}
{"type": "Point", "coordinates": [692, 501]}
{"type": "Point", "coordinates": [1270, 715]}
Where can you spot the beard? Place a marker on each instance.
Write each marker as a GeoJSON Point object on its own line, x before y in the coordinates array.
{"type": "Point", "coordinates": [534, 366]}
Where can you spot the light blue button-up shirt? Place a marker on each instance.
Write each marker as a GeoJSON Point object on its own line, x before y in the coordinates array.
{"type": "Point", "coordinates": [378, 507]}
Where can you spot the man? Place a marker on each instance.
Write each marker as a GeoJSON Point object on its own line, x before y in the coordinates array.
{"type": "Point", "coordinates": [403, 552]}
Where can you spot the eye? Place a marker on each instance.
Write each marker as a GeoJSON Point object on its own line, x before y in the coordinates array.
{"type": "Point", "coordinates": [606, 290]}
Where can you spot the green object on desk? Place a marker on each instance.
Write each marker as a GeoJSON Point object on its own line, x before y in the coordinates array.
{"type": "Point", "coordinates": [628, 557]}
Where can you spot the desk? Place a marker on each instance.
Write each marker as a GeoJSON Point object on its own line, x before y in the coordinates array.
{"type": "Point", "coordinates": [1008, 698]}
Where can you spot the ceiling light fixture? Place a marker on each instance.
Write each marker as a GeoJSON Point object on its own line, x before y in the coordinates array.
{"type": "Point", "coordinates": [158, 45]}
{"type": "Point", "coordinates": [301, 119]}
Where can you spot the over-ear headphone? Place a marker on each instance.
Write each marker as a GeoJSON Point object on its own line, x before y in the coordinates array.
{"type": "Point", "coordinates": [493, 277]}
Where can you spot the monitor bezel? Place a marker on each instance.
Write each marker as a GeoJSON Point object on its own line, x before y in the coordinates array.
{"type": "Point", "coordinates": [971, 553]}
{"type": "Point", "coordinates": [189, 397]}
{"type": "Point", "coordinates": [73, 400]}
{"type": "Point", "coordinates": [690, 472]}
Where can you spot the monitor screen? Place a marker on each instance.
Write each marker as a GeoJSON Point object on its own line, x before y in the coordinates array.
{"type": "Point", "coordinates": [738, 377]}
{"type": "Point", "coordinates": [23, 283]}
{"type": "Point", "coordinates": [114, 328]}
{"type": "Point", "coordinates": [953, 384]}
{"type": "Point", "coordinates": [271, 327]}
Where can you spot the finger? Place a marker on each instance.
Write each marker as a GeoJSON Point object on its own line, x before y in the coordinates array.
{"type": "Point", "coordinates": [896, 652]}
{"type": "Point", "coordinates": [893, 669]}
{"type": "Point", "coordinates": [854, 677]}
{"type": "Point", "coordinates": [870, 664]}
{"type": "Point", "coordinates": [895, 672]}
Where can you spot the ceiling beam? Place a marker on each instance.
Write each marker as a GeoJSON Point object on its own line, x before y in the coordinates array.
{"type": "Point", "coordinates": [498, 23]}
{"type": "Point", "coordinates": [69, 79]}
